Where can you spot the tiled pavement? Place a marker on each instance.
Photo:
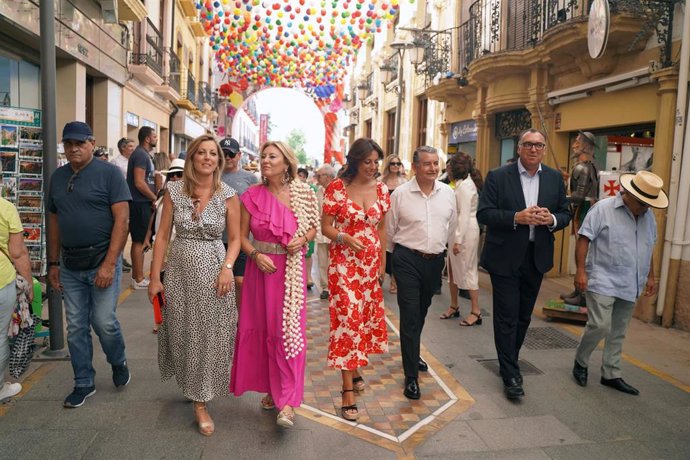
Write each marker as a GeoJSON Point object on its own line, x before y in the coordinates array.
{"type": "Point", "coordinates": [385, 415]}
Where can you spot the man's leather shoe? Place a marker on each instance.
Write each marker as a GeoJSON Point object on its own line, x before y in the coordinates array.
{"type": "Point", "coordinates": [513, 389]}
{"type": "Point", "coordinates": [580, 374]}
{"type": "Point", "coordinates": [423, 366]}
{"type": "Point", "coordinates": [620, 385]}
{"type": "Point", "coordinates": [519, 379]}
{"type": "Point", "coordinates": [411, 388]}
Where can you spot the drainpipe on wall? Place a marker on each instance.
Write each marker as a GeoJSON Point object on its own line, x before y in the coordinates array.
{"type": "Point", "coordinates": [170, 124]}
{"type": "Point", "coordinates": [680, 181]}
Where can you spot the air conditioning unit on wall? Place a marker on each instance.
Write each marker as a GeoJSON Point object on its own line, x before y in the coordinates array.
{"type": "Point", "coordinates": [109, 10]}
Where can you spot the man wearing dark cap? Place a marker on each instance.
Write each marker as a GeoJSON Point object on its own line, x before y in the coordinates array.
{"type": "Point", "coordinates": [584, 191]}
{"type": "Point", "coordinates": [240, 180]}
{"type": "Point", "coordinates": [614, 267]}
{"type": "Point", "coordinates": [88, 209]}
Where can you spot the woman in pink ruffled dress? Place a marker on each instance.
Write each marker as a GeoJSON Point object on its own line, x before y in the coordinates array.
{"type": "Point", "coordinates": [270, 347]}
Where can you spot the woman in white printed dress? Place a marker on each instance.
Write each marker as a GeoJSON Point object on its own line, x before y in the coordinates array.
{"type": "Point", "coordinates": [195, 341]}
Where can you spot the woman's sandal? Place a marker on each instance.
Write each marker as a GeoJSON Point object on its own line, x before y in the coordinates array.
{"type": "Point", "coordinates": [286, 417]}
{"type": "Point", "coordinates": [349, 413]}
{"type": "Point", "coordinates": [203, 419]}
{"type": "Point", "coordinates": [454, 314]}
{"type": "Point", "coordinates": [267, 403]}
{"type": "Point", "coordinates": [358, 383]}
{"type": "Point", "coordinates": [477, 322]}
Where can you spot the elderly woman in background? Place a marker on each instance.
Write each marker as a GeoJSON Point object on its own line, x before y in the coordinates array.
{"type": "Point", "coordinates": [14, 259]}
{"type": "Point", "coordinates": [393, 176]}
{"type": "Point", "coordinates": [354, 211]}
{"type": "Point", "coordinates": [199, 318]}
{"type": "Point", "coordinates": [270, 349]}
{"type": "Point", "coordinates": [464, 241]}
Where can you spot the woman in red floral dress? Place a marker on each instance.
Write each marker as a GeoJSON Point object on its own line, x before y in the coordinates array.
{"type": "Point", "coordinates": [354, 208]}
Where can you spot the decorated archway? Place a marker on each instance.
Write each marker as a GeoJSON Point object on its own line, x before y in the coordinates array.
{"type": "Point", "coordinates": [305, 44]}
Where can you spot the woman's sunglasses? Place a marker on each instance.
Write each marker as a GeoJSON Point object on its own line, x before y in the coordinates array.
{"type": "Point", "coordinates": [173, 175]}
{"type": "Point", "coordinates": [395, 163]}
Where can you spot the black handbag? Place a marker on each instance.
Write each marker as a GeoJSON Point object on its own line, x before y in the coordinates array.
{"type": "Point", "coordinates": [22, 348]}
{"type": "Point", "coordinates": [86, 258]}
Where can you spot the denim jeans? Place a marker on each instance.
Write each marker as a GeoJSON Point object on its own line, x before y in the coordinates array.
{"type": "Point", "coordinates": [88, 306]}
{"type": "Point", "coordinates": [8, 301]}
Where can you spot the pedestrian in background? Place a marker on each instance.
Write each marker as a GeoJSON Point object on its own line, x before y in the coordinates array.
{"type": "Point", "coordinates": [13, 260]}
{"type": "Point", "coordinates": [101, 153]}
{"type": "Point", "coordinates": [522, 205]}
{"type": "Point", "coordinates": [125, 146]}
{"type": "Point", "coordinates": [464, 239]}
{"type": "Point", "coordinates": [324, 176]}
{"type": "Point", "coordinates": [140, 179]}
{"type": "Point", "coordinates": [354, 218]}
{"type": "Point", "coordinates": [614, 267]}
{"type": "Point", "coordinates": [270, 349]}
{"type": "Point", "coordinates": [393, 175]}
{"type": "Point", "coordinates": [161, 162]}
{"type": "Point", "coordinates": [421, 215]}
{"type": "Point", "coordinates": [200, 316]}
{"type": "Point", "coordinates": [88, 206]}
{"type": "Point", "coordinates": [239, 180]}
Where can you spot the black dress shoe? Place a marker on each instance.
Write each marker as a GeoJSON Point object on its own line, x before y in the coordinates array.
{"type": "Point", "coordinates": [423, 366]}
{"type": "Point", "coordinates": [513, 389]}
{"type": "Point", "coordinates": [411, 388]}
{"type": "Point", "coordinates": [580, 374]}
{"type": "Point", "coordinates": [620, 385]}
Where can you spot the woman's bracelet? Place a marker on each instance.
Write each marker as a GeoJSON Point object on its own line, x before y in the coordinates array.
{"type": "Point", "coordinates": [340, 238]}
{"type": "Point", "coordinates": [254, 254]}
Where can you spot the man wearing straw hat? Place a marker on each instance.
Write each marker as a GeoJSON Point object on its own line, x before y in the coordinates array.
{"type": "Point", "coordinates": [614, 266]}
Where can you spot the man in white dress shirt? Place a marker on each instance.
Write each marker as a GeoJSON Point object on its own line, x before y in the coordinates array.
{"type": "Point", "coordinates": [324, 176]}
{"type": "Point", "coordinates": [419, 221]}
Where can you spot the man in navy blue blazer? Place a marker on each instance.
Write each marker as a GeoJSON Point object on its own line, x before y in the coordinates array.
{"type": "Point", "coordinates": [522, 204]}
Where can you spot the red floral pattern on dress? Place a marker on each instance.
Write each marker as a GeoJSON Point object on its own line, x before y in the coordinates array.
{"type": "Point", "coordinates": [357, 318]}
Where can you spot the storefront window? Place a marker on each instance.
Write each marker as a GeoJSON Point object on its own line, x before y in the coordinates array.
{"type": "Point", "coordinates": [20, 84]}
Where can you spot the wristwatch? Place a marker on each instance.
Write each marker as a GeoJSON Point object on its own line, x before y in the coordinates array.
{"type": "Point", "coordinates": [228, 266]}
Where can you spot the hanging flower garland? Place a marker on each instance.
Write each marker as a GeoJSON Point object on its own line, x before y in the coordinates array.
{"type": "Point", "coordinates": [303, 204]}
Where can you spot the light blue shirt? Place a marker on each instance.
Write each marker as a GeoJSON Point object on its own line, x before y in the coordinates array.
{"type": "Point", "coordinates": [620, 249]}
{"type": "Point", "coordinates": [530, 190]}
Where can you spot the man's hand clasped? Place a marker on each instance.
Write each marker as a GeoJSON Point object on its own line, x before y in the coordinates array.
{"type": "Point", "coordinates": [534, 215]}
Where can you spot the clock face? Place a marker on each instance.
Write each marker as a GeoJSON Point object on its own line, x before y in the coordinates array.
{"type": "Point", "coordinates": [598, 28]}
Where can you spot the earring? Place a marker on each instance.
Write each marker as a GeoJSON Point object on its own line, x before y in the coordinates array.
{"type": "Point", "coordinates": [286, 178]}
{"type": "Point", "coordinates": [264, 180]}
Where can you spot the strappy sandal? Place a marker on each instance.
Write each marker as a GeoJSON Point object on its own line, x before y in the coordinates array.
{"type": "Point", "coordinates": [267, 403]}
{"type": "Point", "coordinates": [286, 417]}
{"type": "Point", "coordinates": [203, 419]}
{"type": "Point", "coordinates": [349, 413]}
{"type": "Point", "coordinates": [477, 322]}
{"type": "Point", "coordinates": [358, 383]}
{"type": "Point", "coordinates": [455, 314]}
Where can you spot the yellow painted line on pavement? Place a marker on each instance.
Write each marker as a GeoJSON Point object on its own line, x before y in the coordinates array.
{"type": "Point", "coordinates": [28, 382]}
{"type": "Point", "coordinates": [577, 331]}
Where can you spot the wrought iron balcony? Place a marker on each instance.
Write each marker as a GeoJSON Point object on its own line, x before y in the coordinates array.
{"type": "Point", "coordinates": [431, 52]}
{"type": "Point", "coordinates": [504, 25]}
{"type": "Point", "coordinates": [150, 52]}
{"type": "Point", "coordinates": [205, 94]}
{"type": "Point", "coordinates": [173, 78]}
{"type": "Point", "coordinates": [191, 87]}
{"type": "Point", "coordinates": [370, 84]}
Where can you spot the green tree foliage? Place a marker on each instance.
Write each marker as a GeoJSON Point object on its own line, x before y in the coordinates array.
{"type": "Point", "coordinates": [297, 140]}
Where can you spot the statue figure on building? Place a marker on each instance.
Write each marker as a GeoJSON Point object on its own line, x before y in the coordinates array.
{"type": "Point", "coordinates": [584, 191]}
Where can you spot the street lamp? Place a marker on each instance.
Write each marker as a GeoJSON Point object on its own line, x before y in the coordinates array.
{"type": "Point", "coordinates": [399, 46]}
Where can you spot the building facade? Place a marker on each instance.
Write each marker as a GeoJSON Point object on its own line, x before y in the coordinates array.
{"type": "Point", "coordinates": [479, 72]}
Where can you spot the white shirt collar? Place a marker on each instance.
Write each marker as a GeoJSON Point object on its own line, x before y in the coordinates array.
{"type": "Point", "coordinates": [522, 170]}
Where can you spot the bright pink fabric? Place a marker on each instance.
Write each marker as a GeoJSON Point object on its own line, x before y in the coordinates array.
{"type": "Point", "coordinates": [259, 362]}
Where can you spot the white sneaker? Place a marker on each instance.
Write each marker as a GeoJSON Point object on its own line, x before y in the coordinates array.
{"type": "Point", "coordinates": [143, 284]}
{"type": "Point", "coordinates": [9, 389]}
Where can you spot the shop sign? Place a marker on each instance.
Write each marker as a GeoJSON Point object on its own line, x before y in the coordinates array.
{"type": "Point", "coordinates": [463, 131]}
{"type": "Point", "coordinates": [20, 117]}
{"type": "Point", "coordinates": [132, 120]}
{"type": "Point", "coordinates": [150, 124]}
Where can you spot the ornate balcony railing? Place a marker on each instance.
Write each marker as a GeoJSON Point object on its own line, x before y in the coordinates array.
{"type": "Point", "coordinates": [370, 84]}
{"type": "Point", "coordinates": [503, 25]}
{"type": "Point", "coordinates": [151, 51]}
{"type": "Point", "coordinates": [191, 88]}
{"type": "Point", "coordinates": [205, 95]}
{"type": "Point", "coordinates": [437, 51]}
{"type": "Point", "coordinates": [173, 78]}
